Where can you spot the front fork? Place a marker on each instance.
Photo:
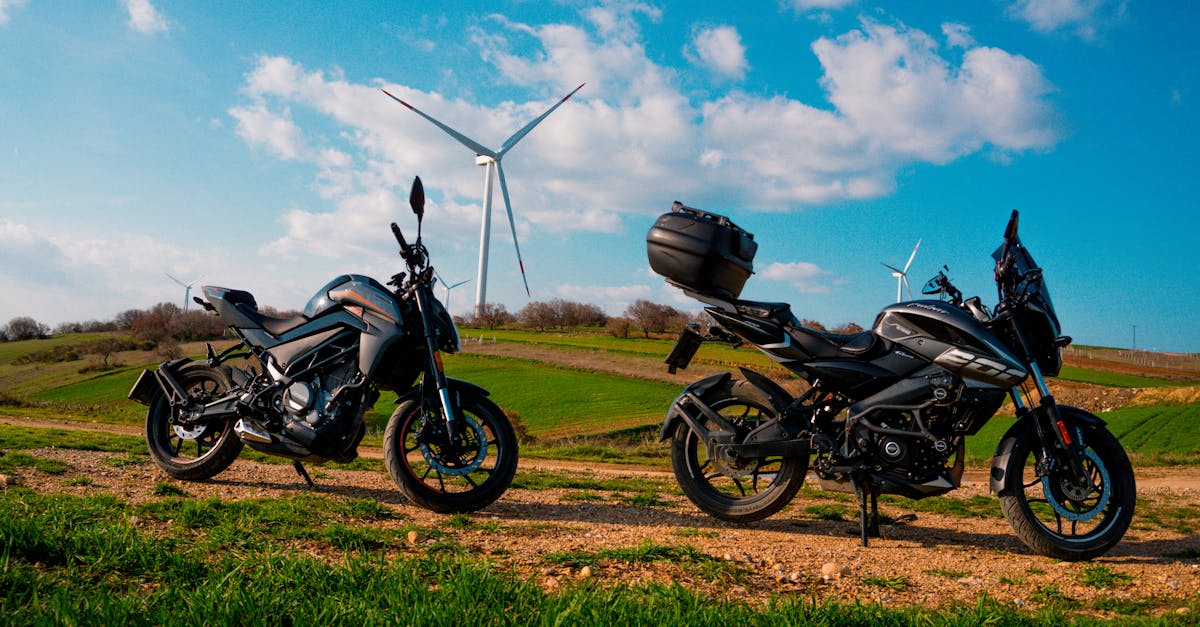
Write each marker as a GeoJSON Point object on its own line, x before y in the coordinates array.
{"type": "Point", "coordinates": [435, 361]}
{"type": "Point", "coordinates": [1051, 428]}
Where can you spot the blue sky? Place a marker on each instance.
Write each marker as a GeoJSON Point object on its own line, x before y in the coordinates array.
{"type": "Point", "coordinates": [249, 143]}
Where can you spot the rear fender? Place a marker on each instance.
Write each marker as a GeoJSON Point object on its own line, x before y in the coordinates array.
{"type": "Point", "coordinates": [1024, 428]}
{"type": "Point", "coordinates": [153, 382]}
{"type": "Point", "coordinates": [688, 407]}
{"type": "Point", "coordinates": [690, 397]}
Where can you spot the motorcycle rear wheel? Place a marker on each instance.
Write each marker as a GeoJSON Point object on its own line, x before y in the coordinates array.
{"type": "Point", "coordinates": [198, 453]}
{"type": "Point", "coordinates": [1058, 519]}
{"type": "Point", "coordinates": [444, 476]}
{"type": "Point", "coordinates": [755, 489]}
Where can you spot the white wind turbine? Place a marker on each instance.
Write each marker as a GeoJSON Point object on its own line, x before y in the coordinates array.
{"type": "Point", "coordinates": [491, 160]}
{"type": "Point", "coordinates": [446, 300]}
{"type": "Point", "coordinates": [187, 288]}
{"type": "Point", "coordinates": [902, 275]}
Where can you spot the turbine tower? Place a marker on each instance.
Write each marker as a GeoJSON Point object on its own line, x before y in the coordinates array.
{"type": "Point", "coordinates": [902, 275]}
{"type": "Point", "coordinates": [490, 159]}
{"type": "Point", "coordinates": [187, 289]}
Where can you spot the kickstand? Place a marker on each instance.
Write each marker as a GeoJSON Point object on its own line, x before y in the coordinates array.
{"type": "Point", "coordinates": [302, 472]}
{"type": "Point", "coordinates": [868, 521]}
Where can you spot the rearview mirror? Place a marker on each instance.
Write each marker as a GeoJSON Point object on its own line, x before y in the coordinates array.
{"type": "Point", "coordinates": [416, 198]}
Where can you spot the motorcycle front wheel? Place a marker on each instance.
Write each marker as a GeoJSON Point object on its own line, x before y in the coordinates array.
{"type": "Point", "coordinates": [749, 490]}
{"type": "Point", "coordinates": [1057, 516]}
{"type": "Point", "coordinates": [199, 452]}
{"type": "Point", "coordinates": [451, 473]}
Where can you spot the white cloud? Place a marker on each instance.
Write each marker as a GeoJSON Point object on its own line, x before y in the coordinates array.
{"type": "Point", "coordinates": [80, 278]}
{"type": "Point", "coordinates": [144, 18]}
{"type": "Point", "coordinates": [274, 132]}
{"type": "Point", "coordinates": [1084, 18]}
{"type": "Point", "coordinates": [720, 50]}
{"type": "Point", "coordinates": [804, 277]}
{"type": "Point", "coordinates": [615, 299]}
{"type": "Point", "coordinates": [958, 35]}
{"type": "Point", "coordinates": [632, 139]}
{"type": "Point", "coordinates": [891, 85]}
{"type": "Point", "coordinates": [801, 6]}
{"type": "Point", "coordinates": [6, 5]}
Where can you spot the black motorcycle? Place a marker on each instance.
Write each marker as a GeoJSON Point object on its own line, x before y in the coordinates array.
{"type": "Point", "coordinates": [447, 446]}
{"type": "Point", "coordinates": [886, 410]}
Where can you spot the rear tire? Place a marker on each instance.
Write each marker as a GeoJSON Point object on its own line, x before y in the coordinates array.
{"type": "Point", "coordinates": [1061, 520]}
{"type": "Point", "coordinates": [192, 454]}
{"type": "Point", "coordinates": [735, 494]}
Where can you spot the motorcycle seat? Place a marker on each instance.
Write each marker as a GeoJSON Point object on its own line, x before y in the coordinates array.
{"type": "Point", "coordinates": [820, 344]}
{"type": "Point", "coordinates": [274, 326]}
{"type": "Point", "coordinates": [245, 303]}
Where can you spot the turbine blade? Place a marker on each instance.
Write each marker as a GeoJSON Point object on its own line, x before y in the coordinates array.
{"type": "Point", "coordinates": [450, 287]}
{"type": "Point", "coordinates": [519, 135]}
{"type": "Point", "coordinates": [907, 287]}
{"type": "Point", "coordinates": [462, 139]}
{"type": "Point", "coordinates": [914, 254]}
{"type": "Point", "coordinates": [513, 225]}
{"type": "Point", "coordinates": [181, 283]}
{"type": "Point", "coordinates": [898, 271]}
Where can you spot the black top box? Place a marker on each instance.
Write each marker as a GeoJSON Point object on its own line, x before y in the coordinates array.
{"type": "Point", "coordinates": [701, 251]}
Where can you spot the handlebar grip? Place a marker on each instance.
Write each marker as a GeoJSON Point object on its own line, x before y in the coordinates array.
{"type": "Point", "coordinates": [399, 238]}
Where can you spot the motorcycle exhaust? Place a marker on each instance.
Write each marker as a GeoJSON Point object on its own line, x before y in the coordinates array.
{"type": "Point", "coordinates": [250, 432]}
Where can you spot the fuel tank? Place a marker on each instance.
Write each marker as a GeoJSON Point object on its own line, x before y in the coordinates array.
{"type": "Point", "coordinates": [354, 290]}
{"type": "Point", "coordinates": [952, 339]}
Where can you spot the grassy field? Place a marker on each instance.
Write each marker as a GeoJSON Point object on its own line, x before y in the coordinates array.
{"type": "Point", "coordinates": [98, 560]}
{"type": "Point", "coordinates": [585, 404]}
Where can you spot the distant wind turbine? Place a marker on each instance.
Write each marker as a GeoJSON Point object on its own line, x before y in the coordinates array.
{"type": "Point", "coordinates": [446, 300]}
{"type": "Point", "coordinates": [902, 275]}
{"type": "Point", "coordinates": [187, 289]}
{"type": "Point", "coordinates": [491, 159]}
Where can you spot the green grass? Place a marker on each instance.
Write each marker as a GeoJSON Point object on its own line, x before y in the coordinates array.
{"type": "Point", "coordinates": [1113, 379]}
{"type": "Point", "coordinates": [573, 413]}
{"type": "Point", "coordinates": [88, 560]}
{"type": "Point", "coordinates": [1101, 576]}
{"type": "Point", "coordinates": [13, 437]}
{"type": "Point", "coordinates": [554, 400]}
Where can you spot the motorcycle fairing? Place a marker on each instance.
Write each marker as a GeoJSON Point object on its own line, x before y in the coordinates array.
{"type": "Point", "coordinates": [350, 301]}
{"type": "Point", "coordinates": [951, 338]}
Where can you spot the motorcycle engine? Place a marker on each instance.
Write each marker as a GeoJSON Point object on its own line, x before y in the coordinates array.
{"type": "Point", "coordinates": [917, 459]}
{"type": "Point", "coordinates": [311, 401]}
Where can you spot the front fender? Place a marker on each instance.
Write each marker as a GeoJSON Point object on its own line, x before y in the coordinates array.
{"type": "Point", "coordinates": [463, 388]}
{"type": "Point", "coordinates": [1024, 428]}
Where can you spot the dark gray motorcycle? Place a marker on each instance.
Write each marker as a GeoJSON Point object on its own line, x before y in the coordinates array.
{"type": "Point", "coordinates": [887, 410]}
{"type": "Point", "coordinates": [447, 446]}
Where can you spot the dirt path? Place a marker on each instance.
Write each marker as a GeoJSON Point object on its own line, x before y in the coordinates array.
{"type": "Point", "coordinates": [932, 560]}
{"type": "Point", "coordinates": [1149, 480]}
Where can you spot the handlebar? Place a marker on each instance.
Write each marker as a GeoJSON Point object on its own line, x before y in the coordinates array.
{"type": "Point", "coordinates": [400, 239]}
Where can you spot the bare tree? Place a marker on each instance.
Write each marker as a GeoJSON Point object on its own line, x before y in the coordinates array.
{"type": "Point", "coordinates": [655, 318]}
{"type": "Point", "coordinates": [538, 316]}
{"type": "Point", "coordinates": [491, 315]}
{"type": "Point", "coordinates": [24, 328]}
{"type": "Point", "coordinates": [618, 326]}
{"type": "Point", "coordinates": [847, 329]}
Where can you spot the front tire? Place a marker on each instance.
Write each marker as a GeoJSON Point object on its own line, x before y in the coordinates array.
{"type": "Point", "coordinates": [448, 476]}
{"type": "Point", "coordinates": [198, 453]}
{"type": "Point", "coordinates": [754, 489]}
{"type": "Point", "coordinates": [1057, 518]}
